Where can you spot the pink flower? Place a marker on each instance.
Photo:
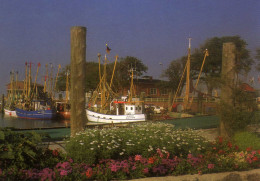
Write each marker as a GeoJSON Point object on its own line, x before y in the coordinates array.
{"type": "Point", "coordinates": [151, 160]}
{"type": "Point", "coordinates": [89, 172]}
{"type": "Point", "coordinates": [249, 149]}
{"type": "Point", "coordinates": [200, 172]}
{"type": "Point", "coordinates": [145, 170]}
{"type": "Point", "coordinates": [210, 166]}
{"type": "Point", "coordinates": [113, 167]}
{"type": "Point", "coordinates": [229, 144]}
{"type": "Point", "coordinates": [63, 173]}
{"type": "Point", "coordinates": [220, 139]}
{"type": "Point", "coordinates": [138, 157]}
{"type": "Point", "coordinates": [159, 152]}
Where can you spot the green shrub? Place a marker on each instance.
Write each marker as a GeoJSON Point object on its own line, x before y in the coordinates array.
{"type": "Point", "coordinates": [21, 150]}
{"type": "Point", "coordinates": [140, 139]}
{"type": "Point", "coordinates": [246, 140]}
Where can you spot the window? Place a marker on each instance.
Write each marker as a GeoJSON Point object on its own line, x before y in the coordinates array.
{"type": "Point", "coordinates": [164, 92]}
{"type": "Point", "coordinates": [153, 91]}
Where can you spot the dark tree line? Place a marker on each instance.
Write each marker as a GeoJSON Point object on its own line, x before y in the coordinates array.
{"type": "Point", "coordinates": [212, 67]}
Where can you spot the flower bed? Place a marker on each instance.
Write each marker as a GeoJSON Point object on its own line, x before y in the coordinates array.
{"type": "Point", "coordinates": [145, 150]}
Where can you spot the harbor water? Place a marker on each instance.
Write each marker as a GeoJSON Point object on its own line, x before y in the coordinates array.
{"type": "Point", "coordinates": [19, 123]}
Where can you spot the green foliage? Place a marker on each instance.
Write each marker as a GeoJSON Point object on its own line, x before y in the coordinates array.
{"type": "Point", "coordinates": [122, 73]}
{"type": "Point", "coordinates": [21, 150]}
{"type": "Point", "coordinates": [143, 139]}
{"type": "Point", "coordinates": [213, 64]}
{"type": "Point", "coordinates": [246, 140]}
{"type": "Point", "coordinates": [240, 112]}
{"type": "Point", "coordinates": [174, 73]}
{"type": "Point", "coordinates": [121, 77]}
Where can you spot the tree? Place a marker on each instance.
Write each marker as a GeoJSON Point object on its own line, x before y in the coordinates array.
{"type": "Point", "coordinates": [121, 77]}
{"type": "Point", "coordinates": [212, 67]}
{"type": "Point", "coordinates": [174, 73]}
{"type": "Point", "coordinates": [61, 82]}
{"type": "Point", "coordinates": [122, 74]}
{"type": "Point", "coordinates": [92, 77]}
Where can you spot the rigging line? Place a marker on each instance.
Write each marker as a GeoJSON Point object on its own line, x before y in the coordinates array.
{"type": "Point", "coordinates": [179, 83]}
{"type": "Point", "coordinates": [206, 54]}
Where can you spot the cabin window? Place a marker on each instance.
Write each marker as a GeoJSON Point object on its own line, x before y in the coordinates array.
{"type": "Point", "coordinates": [153, 91]}
{"type": "Point", "coordinates": [136, 108]}
{"type": "Point", "coordinates": [131, 108]}
{"type": "Point", "coordinates": [164, 92]}
{"type": "Point", "coordinates": [126, 108]}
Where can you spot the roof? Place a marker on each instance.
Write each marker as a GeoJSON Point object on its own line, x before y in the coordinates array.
{"type": "Point", "coordinates": [247, 87]}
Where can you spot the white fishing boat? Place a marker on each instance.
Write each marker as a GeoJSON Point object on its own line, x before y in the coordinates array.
{"type": "Point", "coordinates": [123, 110]}
{"type": "Point", "coordinates": [10, 113]}
{"type": "Point", "coordinates": [130, 113]}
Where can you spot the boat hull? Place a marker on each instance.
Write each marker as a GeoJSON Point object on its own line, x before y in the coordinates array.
{"type": "Point", "coordinates": [10, 113]}
{"type": "Point", "coordinates": [41, 114]}
{"type": "Point", "coordinates": [64, 115]}
{"type": "Point", "coordinates": [105, 118]}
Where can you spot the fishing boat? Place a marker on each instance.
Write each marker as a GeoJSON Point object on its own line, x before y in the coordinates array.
{"type": "Point", "coordinates": [38, 110]}
{"type": "Point", "coordinates": [12, 95]}
{"type": "Point", "coordinates": [63, 110]}
{"type": "Point", "coordinates": [11, 113]}
{"type": "Point", "coordinates": [125, 112]}
{"type": "Point", "coordinates": [114, 110]}
{"type": "Point", "coordinates": [63, 107]}
{"type": "Point", "coordinates": [35, 104]}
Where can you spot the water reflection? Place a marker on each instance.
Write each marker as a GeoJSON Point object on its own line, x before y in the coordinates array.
{"type": "Point", "coordinates": [19, 123]}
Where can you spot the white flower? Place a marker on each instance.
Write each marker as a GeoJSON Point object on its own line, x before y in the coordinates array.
{"type": "Point", "coordinates": [91, 148]}
{"type": "Point", "coordinates": [121, 153]}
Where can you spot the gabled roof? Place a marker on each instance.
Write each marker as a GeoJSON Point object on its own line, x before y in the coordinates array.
{"type": "Point", "coordinates": [247, 87]}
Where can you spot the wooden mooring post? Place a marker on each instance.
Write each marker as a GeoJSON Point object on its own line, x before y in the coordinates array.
{"type": "Point", "coordinates": [228, 78]}
{"type": "Point", "coordinates": [3, 104]}
{"type": "Point", "coordinates": [78, 79]}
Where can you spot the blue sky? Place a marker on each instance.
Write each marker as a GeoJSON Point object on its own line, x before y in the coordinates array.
{"type": "Point", "coordinates": [152, 30]}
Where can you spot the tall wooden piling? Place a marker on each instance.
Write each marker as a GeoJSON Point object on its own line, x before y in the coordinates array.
{"type": "Point", "coordinates": [228, 78]}
{"type": "Point", "coordinates": [78, 79]}
{"type": "Point", "coordinates": [3, 104]}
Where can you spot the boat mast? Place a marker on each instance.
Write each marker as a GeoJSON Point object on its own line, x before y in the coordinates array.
{"type": "Point", "coordinates": [103, 86]}
{"type": "Point", "coordinates": [50, 81]}
{"type": "Point", "coordinates": [29, 86]}
{"type": "Point", "coordinates": [45, 81]}
{"type": "Point", "coordinates": [99, 68]}
{"type": "Point", "coordinates": [67, 87]}
{"type": "Point", "coordinates": [187, 91]}
{"type": "Point", "coordinates": [36, 77]}
{"type": "Point", "coordinates": [57, 77]}
{"type": "Point", "coordinates": [25, 84]}
{"type": "Point", "coordinates": [16, 91]}
{"type": "Point", "coordinates": [113, 72]}
{"type": "Point", "coordinates": [11, 85]}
